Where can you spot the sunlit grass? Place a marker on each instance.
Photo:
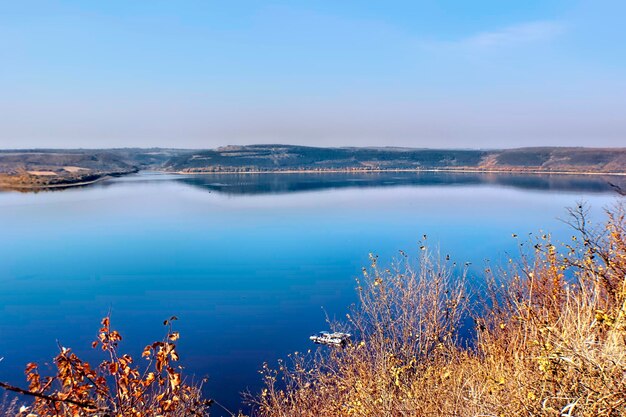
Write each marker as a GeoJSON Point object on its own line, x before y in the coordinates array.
{"type": "Point", "coordinates": [549, 339]}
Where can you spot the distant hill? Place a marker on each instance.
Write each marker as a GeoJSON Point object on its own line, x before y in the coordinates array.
{"type": "Point", "coordinates": [104, 160]}
{"type": "Point", "coordinates": [304, 158]}
{"type": "Point", "coordinates": [287, 157]}
{"type": "Point", "coordinates": [42, 168]}
{"type": "Point", "coordinates": [46, 168]}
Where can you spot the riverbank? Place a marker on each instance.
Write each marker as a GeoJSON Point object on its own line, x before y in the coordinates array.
{"type": "Point", "coordinates": [297, 179]}
{"type": "Point", "coordinates": [365, 171]}
{"type": "Point", "coordinates": [36, 183]}
{"type": "Point", "coordinates": [32, 187]}
{"type": "Point", "coordinates": [42, 169]}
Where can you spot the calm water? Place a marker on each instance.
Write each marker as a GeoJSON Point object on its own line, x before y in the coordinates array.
{"type": "Point", "coordinates": [245, 262]}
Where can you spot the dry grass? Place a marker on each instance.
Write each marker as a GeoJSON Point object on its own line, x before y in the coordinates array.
{"type": "Point", "coordinates": [549, 341]}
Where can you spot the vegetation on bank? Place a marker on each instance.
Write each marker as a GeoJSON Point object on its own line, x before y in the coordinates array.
{"type": "Point", "coordinates": [548, 339]}
{"type": "Point", "coordinates": [35, 181]}
{"type": "Point", "coordinates": [38, 169]}
{"type": "Point", "coordinates": [290, 158]}
{"type": "Point", "coordinates": [43, 168]}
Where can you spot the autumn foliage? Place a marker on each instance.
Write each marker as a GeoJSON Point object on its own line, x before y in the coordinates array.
{"type": "Point", "coordinates": [117, 386]}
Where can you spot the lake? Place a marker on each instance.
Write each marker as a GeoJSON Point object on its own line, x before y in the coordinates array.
{"type": "Point", "coordinates": [250, 264]}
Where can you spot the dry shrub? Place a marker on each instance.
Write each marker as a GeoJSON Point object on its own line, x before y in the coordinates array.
{"type": "Point", "coordinates": [407, 322]}
{"type": "Point", "coordinates": [550, 340]}
{"type": "Point", "coordinates": [558, 332]}
{"type": "Point", "coordinates": [118, 386]}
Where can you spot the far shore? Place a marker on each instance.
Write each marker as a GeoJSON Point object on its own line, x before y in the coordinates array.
{"type": "Point", "coordinates": [365, 171]}
{"type": "Point", "coordinates": [43, 187]}
{"type": "Point", "coordinates": [8, 186]}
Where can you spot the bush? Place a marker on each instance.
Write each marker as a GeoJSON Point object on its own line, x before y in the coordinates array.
{"type": "Point", "coordinates": [116, 387]}
{"type": "Point", "coordinates": [550, 340]}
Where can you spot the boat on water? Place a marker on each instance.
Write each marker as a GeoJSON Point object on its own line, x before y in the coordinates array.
{"type": "Point", "coordinates": [331, 338]}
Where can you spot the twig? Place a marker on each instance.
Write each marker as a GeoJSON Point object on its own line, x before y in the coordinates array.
{"type": "Point", "coordinates": [46, 397]}
{"type": "Point", "coordinates": [224, 408]}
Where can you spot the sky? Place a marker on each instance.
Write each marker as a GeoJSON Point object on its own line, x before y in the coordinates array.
{"type": "Point", "coordinates": [202, 74]}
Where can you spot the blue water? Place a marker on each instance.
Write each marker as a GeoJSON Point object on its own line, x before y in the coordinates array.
{"type": "Point", "coordinates": [245, 262]}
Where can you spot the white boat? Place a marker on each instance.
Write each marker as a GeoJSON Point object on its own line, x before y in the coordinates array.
{"type": "Point", "coordinates": [331, 339]}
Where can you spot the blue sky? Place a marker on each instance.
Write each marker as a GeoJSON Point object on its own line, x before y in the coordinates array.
{"type": "Point", "coordinates": [454, 74]}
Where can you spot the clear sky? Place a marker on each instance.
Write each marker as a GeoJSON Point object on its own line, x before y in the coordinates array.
{"type": "Point", "coordinates": [469, 74]}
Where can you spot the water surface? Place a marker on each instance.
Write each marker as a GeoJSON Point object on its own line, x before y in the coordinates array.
{"type": "Point", "coordinates": [245, 261]}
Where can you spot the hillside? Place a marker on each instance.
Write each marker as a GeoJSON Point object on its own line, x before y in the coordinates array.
{"type": "Point", "coordinates": [47, 168]}
{"type": "Point", "coordinates": [303, 158]}
{"type": "Point", "coordinates": [286, 157]}
{"type": "Point", "coordinates": [54, 168]}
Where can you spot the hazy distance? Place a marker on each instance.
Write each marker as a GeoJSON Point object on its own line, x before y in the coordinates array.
{"type": "Point", "coordinates": [195, 74]}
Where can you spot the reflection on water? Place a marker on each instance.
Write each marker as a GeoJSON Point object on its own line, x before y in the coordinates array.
{"type": "Point", "coordinates": [281, 183]}
{"type": "Point", "coordinates": [294, 182]}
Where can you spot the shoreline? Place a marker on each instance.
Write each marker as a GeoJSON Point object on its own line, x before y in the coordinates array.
{"type": "Point", "coordinates": [4, 186]}
{"type": "Point", "coordinates": [26, 187]}
{"type": "Point", "coordinates": [365, 171]}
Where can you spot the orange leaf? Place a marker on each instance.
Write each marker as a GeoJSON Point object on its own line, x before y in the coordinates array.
{"type": "Point", "coordinates": [146, 351]}
{"type": "Point", "coordinates": [30, 366]}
